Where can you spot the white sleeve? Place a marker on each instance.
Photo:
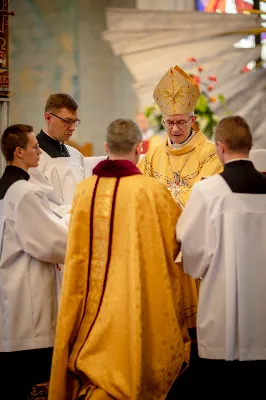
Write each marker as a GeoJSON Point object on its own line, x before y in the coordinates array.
{"type": "Point", "coordinates": [83, 165]}
{"type": "Point", "coordinates": [38, 178]}
{"type": "Point", "coordinates": [42, 234]}
{"type": "Point", "coordinates": [195, 231]}
{"type": "Point", "coordinates": [66, 219]}
{"type": "Point", "coordinates": [60, 211]}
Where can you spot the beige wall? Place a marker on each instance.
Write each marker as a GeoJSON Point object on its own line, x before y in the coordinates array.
{"type": "Point", "coordinates": [106, 88]}
{"type": "Point", "coordinates": [184, 5]}
{"type": "Point", "coordinates": [56, 46]}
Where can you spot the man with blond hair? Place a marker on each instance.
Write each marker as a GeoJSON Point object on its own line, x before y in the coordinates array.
{"type": "Point", "coordinates": [222, 232]}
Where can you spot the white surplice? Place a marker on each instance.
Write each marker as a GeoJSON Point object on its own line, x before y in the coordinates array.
{"type": "Point", "coordinates": [91, 162]}
{"type": "Point", "coordinates": [58, 178]}
{"type": "Point", "coordinates": [32, 241]}
{"type": "Point", "coordinates": [222, 238]}
{"type": "Point", "coordinates": [258, 157]}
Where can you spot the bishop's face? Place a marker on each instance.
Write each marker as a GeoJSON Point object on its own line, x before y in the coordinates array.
{"type": "Point", "coordinates": [178, 127]}
{"type": "Point", "coordinates": [62, 124]}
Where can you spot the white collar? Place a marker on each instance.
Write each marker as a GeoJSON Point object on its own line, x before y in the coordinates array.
{"type": "Point", "coordinates": [180, 145]}
{"type": "Point", "coordinates": [52, 137]}
{"type": "Point", "coordinates": [238, 159]}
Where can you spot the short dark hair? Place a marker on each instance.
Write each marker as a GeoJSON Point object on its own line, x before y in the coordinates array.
{"type": "Point", "coordinates": [122, 135]}
{"type": "Point", "coordinates": [60, 100]}
{"type": "Point", "coordinates": [14, 136]}
{"type": "Point", "coordinates": [235, 133]}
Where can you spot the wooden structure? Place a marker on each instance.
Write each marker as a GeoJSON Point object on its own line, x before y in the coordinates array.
{"type": "Point", "coordinates": [86, 149]}
{"type": "Point", "coordinates": [5, 94]}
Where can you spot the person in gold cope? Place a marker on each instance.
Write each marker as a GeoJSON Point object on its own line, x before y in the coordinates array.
{"type": "Point", "coordinates": [121, 332]}
{"type": "Point", "coordinates": [183, 159]}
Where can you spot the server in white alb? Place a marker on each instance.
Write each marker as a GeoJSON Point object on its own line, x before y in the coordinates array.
{"type": "Point", "coordinates": [61, 167]}
{"type": "Point", "coordinates": [223, 231]}
{"type": "Point", "coordinates": [32, 243]}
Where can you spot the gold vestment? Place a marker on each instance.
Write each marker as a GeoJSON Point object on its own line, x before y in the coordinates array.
{"type": "Point", "coordinates": [121, 333]}
{"type": "Point", "coordinates": [179, 169]}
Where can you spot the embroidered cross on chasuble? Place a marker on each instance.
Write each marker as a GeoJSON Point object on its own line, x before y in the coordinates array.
{"type": "Point", "coordinates": [176, 182]}
{"type": "Point", "coordinates": [174, 187]}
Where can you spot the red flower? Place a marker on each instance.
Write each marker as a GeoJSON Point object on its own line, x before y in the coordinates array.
{"type": "Point", "coordinates": [196, 79]}
{"type": "Point", "coordinates": [245, 69]}
{"type": "Point", "coordinates": [210, 87]}
{"type": "Point", "coordinates": [191, 59]}
{"type": "Point", "coordinates": [212, 78]}
{"type": "Point", "coordinates": [200, 69]}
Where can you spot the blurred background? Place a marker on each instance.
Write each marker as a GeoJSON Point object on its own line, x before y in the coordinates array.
{"type": "Point", "coordinates": [109, 55]}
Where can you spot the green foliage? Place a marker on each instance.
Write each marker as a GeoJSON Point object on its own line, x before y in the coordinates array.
{"type": "Point", "coordinates": [222, 101]}
{"type": "Point", "coordinates": [154, 116]}
{"type": "Point", "coordinates": [206, 117]}
{"type": "Point", "coordinates": [202, 104]}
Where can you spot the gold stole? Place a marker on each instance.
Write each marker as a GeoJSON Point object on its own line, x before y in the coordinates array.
{"type": "Point", "coordinates": [102, 215]}
{"type": "Point", "coordinates": [190, 289]}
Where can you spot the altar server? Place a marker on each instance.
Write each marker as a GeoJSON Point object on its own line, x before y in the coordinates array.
{"type": "Point", "coordinates": [32, 243]}
{"type": "Point", "coordinates": [61, 167]}
{"type": "Point", "coordinates": [222, 232]}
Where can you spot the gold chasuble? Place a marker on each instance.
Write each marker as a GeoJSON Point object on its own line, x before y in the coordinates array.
{"type": "Point", "coordinates": [121, 333]}
{"type": "Point", "coordinates": [179, 169]}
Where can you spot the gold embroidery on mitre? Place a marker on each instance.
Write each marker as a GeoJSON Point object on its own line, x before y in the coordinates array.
{"type": "Point", "coordinates": [188, 90]}
{"type": "Point", "coordinates": [176, 93]}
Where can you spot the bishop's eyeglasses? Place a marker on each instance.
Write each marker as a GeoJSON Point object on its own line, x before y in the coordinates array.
{"type": "Point", "coordinates": [179, 124]}
{"type": "Point", "coordinates": [68, 122]}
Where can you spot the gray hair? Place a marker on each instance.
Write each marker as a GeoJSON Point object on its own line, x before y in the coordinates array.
{"type": "Point", "coordinates": [122, 136]}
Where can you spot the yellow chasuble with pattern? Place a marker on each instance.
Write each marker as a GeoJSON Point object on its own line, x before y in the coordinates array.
{"type": "Point", "coordinates": [155, 140]}
{"type": "Point", "coordinates": [121, 332]}
{"type": "Point", "coordinates": [179, 169]}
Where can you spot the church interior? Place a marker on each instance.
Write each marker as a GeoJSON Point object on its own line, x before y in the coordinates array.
{"type": "Point", "coordinates": [132, 198]}
{"type": "Point", "coordinates": [109, 54]}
